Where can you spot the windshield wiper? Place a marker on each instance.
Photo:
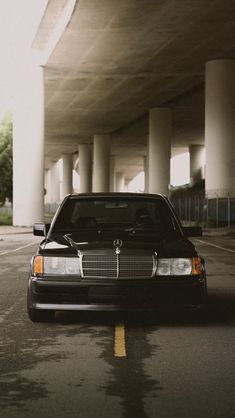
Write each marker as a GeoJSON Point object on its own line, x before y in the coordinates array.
{"type": "Point", "coordinates": [72, 243]}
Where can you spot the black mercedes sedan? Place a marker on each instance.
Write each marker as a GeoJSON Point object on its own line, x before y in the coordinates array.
{"type": "Point", "coordinates": [114, 251]}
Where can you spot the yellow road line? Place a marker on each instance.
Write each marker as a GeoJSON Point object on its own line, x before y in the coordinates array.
{"type": "Point", "coordinates": [119, 341]}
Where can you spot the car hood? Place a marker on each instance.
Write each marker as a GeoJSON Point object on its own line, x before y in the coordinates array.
{"type": "Point", "coordinates": [133, 240]}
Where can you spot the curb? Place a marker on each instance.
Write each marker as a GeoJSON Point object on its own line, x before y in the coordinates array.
{"type": "Point", "coordinates": [11, 230]}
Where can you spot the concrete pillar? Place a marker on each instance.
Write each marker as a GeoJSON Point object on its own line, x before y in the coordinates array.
{"type": "Point", "coordinates": [85, 168]}
{"type": "Point", "coordinates": [47, 185]}
{"type": "Point", "coordinates": [146, 175]}
{"type": "Point", "coordinates": [28, 146]}
{"type": "Point", "coordinates": [220, 128]}
{"type": "Point", "coordinates": [67, 174]}
{"type": "Point", "coordinates": [196, 153]}
{"type": "Point", "coordinates": [120, 182]}
{"type": "Point", "coordinates": [112, 184]}
{"type": "Point", "coordinates": [101, 163]}
{"type": "Point", "coordinates": [55, 182]}
{"type": "Point", "coordinates": [159, 150]}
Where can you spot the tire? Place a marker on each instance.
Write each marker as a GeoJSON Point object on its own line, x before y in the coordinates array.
{"type": "Point", "coordinates": [200, 311]}
{"type": "Point", "coordinates": [202, 306]}
{"type": "Point", "coordinates": [38, 315]}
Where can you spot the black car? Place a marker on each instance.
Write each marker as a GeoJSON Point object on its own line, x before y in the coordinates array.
{"type": "Point", "coordinates": [114, 251]}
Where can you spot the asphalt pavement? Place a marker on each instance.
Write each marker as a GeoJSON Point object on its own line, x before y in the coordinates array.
{"type": "Point", "coordinates": [175, 365]}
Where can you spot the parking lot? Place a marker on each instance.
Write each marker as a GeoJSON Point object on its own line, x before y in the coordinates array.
{"type": "Point", "coordinates": [166, 364]}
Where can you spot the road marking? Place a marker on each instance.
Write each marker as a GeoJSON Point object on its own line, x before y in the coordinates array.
{"type": "Point", "coordinates": [216, 246]}
{"type": "Point", "coordinates": [17, 249]}
{"type": "Point", "coordinates": [119, 341]}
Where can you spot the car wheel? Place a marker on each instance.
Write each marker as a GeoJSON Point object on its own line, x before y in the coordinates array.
{"type": "Point", "coordinates": [37, 315]}
{"type": "Point", "coordinates": [200, 311]}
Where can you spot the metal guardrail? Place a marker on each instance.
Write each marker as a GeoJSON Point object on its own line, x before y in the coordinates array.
{"type": "Point", "coordinates": [208, 211]}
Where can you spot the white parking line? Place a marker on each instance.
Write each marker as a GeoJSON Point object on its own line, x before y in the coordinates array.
{"type": "Point", "coordinates": [17, 249]}
{"type": "Point", "coordinates": [229, 250]}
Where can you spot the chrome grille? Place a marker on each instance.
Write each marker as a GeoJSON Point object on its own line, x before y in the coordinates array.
{"type": "Point", "coordinates": [117, 266]}
{"type": "Point", "coordinates": [99, 265]}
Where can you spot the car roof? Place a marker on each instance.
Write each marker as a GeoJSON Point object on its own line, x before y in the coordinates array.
{"type": "Point", "coordinates": [118, 194]}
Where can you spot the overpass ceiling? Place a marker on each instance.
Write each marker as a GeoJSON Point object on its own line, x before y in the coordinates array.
{"type": "Point", "coordinates": [117, 59]}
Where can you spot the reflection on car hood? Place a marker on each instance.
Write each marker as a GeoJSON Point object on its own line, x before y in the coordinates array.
{"type": "Point", "coordinates": [136, 240]}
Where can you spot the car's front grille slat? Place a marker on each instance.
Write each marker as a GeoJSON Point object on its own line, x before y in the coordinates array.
{"type": "Point", "coordinates": [117, 266]}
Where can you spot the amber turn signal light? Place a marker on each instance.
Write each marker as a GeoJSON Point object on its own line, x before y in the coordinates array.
{"type": "Point", "coordinates": [197, 266]}
{"type": "Point", "coordinates": [38, 264]}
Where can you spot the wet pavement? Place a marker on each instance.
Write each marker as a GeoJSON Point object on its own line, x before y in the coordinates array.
{"type": "Point", "coordinates": [176, 364]}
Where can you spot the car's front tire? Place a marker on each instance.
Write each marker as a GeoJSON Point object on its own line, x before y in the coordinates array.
{"type": "Point", "coordinates": [38, 315]}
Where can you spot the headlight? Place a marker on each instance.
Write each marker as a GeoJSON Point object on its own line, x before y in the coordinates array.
{"type": "Point", "coordinates": [56, 265]}
{"type": "Point", "coordinates": [178, 266]}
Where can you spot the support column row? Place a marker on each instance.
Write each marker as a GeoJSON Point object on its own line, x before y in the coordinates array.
{"type": "Point", "coordinates": [104, 177]}
{"type": "Point", "coordinates": [28, 143]}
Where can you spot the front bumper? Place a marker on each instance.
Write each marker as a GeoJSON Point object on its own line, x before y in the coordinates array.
{"type": "Point", "coordinates": [115, 295]}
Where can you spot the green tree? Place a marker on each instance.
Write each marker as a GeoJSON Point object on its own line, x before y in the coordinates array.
{"type": "Point", "coordinates": [6, 159]}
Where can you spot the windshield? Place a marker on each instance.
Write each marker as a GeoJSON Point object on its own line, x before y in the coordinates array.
{"type": "Point", "coordinates": [103, 213]}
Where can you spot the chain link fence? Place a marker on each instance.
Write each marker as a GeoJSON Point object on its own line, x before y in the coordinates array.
{"type": "Point", "coordinates": [208, 211]}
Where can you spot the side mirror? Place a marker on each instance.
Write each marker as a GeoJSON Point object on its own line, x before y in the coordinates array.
{"type": "Point", "coordinates": [192, 231]}
{"type": "Point", "coordinates": [41, 229]}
